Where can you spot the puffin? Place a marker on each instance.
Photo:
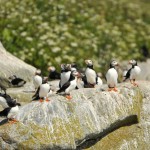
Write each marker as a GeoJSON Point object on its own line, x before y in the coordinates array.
{"type": "Point", "coordinates": [10, 113]}
{"type": "Point", "coordinates": [42, 92]}
{"type": "Point", "coordinates": [112, 76]}
{"type": "Point", "coordinates": [133, 72]}
{"type": "Point", "coordinates": [16, 81]}
{"type": "Point", "coordinates": [90, 74]}
{"type": "Point", "coordinates": [37, 79]}
{"type": "Point", "coordinates": [10, 107]}
{"type": "Point", "coordinates": [69, 85]}
{"type": "Point", "coordinates": [53, 74]}
{"type": "Point", "coordinates": [65, 74]}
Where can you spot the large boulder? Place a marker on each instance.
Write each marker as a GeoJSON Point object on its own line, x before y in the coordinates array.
{"type": "Point", "coordinates": [11, 65]}
{"type": "Point", "coordinates": [78, 124]}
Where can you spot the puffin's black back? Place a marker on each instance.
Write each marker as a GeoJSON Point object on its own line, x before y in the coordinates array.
{"type": "Point", "coordinates": [9, 100]}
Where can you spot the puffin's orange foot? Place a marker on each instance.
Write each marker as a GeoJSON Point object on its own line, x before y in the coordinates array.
{"type": "Point", "coordinates": [41, 100]}
{"type": "Point", "coordinates": [68, 97]}
{"type": "Point", "coordinates": [115, 89]}
{"type": "Point", "coordinates": [12, 121]}
{"type": "Point", "coordinates": [135, 84]}
{"type": "Point", "coordinates": [47, 100]}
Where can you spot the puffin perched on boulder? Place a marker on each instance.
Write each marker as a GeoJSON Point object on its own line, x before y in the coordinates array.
{"type": "Point", "coordinates": [91, 77]}
{"type": "Point", "coordinates": [43, 91]}
{"type": "Point", "coordinates": [16, 81]}
{"type": "Point", "coordinates": [65, 74]}
{"type": "Point", "coordinates": [69, 85]}
{"type": "Point", "coordinates": [112, 76]}
{"type": "Point", "coordinates": [10, 107]}
{"type": "Point", "coordinates": [133, 72]}
{"type": "Point", "coordinates": [37, 79]}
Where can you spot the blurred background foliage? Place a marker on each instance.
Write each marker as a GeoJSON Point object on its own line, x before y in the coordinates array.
{"type": "Point", "coordinates": [52, 32]}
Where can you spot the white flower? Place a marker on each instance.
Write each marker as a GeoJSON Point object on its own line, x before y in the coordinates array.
{"type": "Point", "coordinates": [29, 39]}
{"type": "Point", "coordinates": [56, 49]}
{"type": "Point", "coordinates": [23, 34]}
{"type": "Point", "coordinates": [25, 20]}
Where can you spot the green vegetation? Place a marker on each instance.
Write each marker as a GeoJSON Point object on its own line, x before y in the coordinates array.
{"type": "Point", "coordinates": [51, 32]}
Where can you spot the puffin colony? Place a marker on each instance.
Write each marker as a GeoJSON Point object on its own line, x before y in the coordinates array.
{"type": "Point", "coordinates": [70, 78]}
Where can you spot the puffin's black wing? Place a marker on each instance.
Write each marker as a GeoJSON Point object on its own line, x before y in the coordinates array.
{"type": "Point", "coordinates": [36, 95]}
{"type": "Point", "coordinates": [16, 81]}
{"type": "Point", "coordinates": [9, 100]}
{"type": "Point", "coordinates": [64, 87]}
{"type": "Point", "coordinates": [5, 111]}
{"type": "Point", "coordinates": [127, 76]}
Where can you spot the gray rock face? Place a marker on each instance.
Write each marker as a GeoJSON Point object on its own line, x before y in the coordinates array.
{"type": "Point", "coordinates": [11, 65]}
{"type": "Point", "coordinates": [77, 124]}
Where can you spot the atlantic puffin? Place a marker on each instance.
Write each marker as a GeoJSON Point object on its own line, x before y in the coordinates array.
{"type": "Point", "coordinates": [10, 107]}
{"type": "Point", "coordinates": [10, 113]}
{"type": "Point", "coordinates": [133, 72]}
{"type": "Point", "coordinates": [70, 85]}
{"type": "Point", "coordinates": [37, 79]}
{"type": "Point", "coordinates": [90, 73]}
{"type": "Point", "coordinates": [16, 81]}
{"type": "Point", "coordinates": [42, 91]}
{"type": "Point", "coordinates": [65, 74]}
{"type": "Point", "coordinates": [112, 76]}
{"type": "Point", "coordinates": [53, 74]}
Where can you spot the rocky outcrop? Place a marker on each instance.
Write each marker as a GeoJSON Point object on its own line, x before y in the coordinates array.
{"type": "Point", "coordinates": [11, 65]}
{"type": "Point", "coordinates": [91, 116]}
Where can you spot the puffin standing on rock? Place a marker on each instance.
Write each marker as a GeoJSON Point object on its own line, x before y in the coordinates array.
{"type": "Point", "coordinates": [65, 74]}
{"type": "Point", "coordinates": [37, 79]}
{"type": "Point", "coordinates": [10, 107]}
{"type": "Point", "coordinates": [70, 85]}
{"type": "Point", "coordinates": [133, 72]}
{"type": "Point", "coordinates": [42, 91]}
{"type": "Point", "coordinates": [112, 76]}
{"type": "Point", "coordinates": [90, 74]}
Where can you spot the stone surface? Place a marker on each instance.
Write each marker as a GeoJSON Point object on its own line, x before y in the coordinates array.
{"type": "Point", "coordinates": [11, 65]}
{"type": "Point", "coordinates": [78, 124]}
{"type": "Point", "coordinates": [131, 137]}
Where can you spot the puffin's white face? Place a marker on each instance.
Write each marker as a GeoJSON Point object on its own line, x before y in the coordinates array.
{"type": "Point", "coordinates": [132, 62]}
{"type": "Point", "coordinates": [52, 68]}
{"type": "Point", "coordinates": [62, 66]}
{"type": "Point", "coordinates": [68, 66]}
{"type": "Point", "coordinates": [38, 72]}
{"type": "Point", "coordinates": [89, 62]}
{"type": "Point", "coordinates": [75, 73]}
{"type": "Point", "coordinates": [114, 63]}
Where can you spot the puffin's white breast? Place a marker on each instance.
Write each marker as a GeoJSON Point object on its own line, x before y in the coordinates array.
{"type": "Point", "coordinates": [112, 77]}
{"type": "Point", "coordinates": [37, 81]}
{"type": "Point", "coordinates": [44, 90]}
{"type": "Point", "coordinates": [13, 112]}
{"type": "Point", "coordinates": [72, 86]}
{"type": "Point", "coordinates": [99, 81]}
{"type": "Point", "coordinates": [65, 77]}
{"type": "Point", "coordinates": [90, 75]}
{"type": "Point", "coordinates": [135, 72]}
{"type": "Point", "coordinates": [3, 102]}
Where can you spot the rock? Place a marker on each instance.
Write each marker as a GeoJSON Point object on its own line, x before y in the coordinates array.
{"type": "Point", "coordinates": [10, 65]}
{"type": "Point", "coordinates": [78, 124]}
